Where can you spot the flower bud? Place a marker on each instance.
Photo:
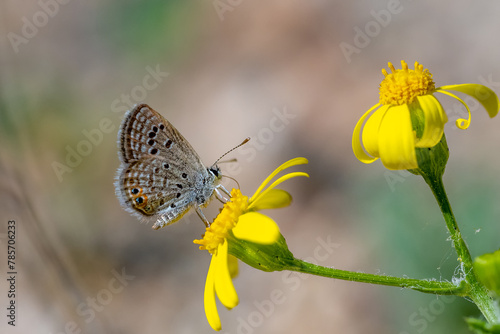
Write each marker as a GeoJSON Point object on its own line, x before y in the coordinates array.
{"type": "Point", "coordinates": [487, 269]}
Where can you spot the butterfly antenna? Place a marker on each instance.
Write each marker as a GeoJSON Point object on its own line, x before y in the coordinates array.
{"type": "Point", "coordinates": [234, 148]}
{"type": "Point", "coordinates": [226, 161]}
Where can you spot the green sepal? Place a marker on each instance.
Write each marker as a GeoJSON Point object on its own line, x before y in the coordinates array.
{"type": "Point", "coordinates": [273, 257]}
{"type": "Point", "coordinates": [432, 160]}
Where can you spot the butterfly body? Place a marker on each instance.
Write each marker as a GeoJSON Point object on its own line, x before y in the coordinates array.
{"type": "Point", "coordinates": [161, 176]}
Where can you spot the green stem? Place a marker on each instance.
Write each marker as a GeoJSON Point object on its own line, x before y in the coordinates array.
{"type": "Point", "coordinates": [277, 257]}
{"type": "Point", "coordinates": [476, 291]}
{"type": "Point", "coordinates": [437, 187]}
{"type": "Point", "coordinates": [435, 287]}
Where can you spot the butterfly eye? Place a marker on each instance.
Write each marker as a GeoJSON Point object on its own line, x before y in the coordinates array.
{"type": "Point", "coordinates": [215, 170]}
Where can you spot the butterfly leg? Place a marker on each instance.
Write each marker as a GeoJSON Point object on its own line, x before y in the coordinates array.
{"type": "Point", "coordinates": [160, 222]}
{"type": "Point", "coordinates": [202, 216]}
{"type": "Point", "coordinates": [220, 196]}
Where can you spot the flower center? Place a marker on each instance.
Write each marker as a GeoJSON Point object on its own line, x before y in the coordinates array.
{"type": "Point", "coordinates": [225, 221]}
{"type": "Point", "coordinates": [403, 86]}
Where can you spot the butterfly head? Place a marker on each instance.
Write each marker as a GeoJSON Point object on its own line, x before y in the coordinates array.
{"type": "Point", "coordinates": [215, 171]}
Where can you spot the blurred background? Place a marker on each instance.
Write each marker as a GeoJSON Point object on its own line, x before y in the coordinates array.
{"type": "Point", "coordinates": [295, 76]}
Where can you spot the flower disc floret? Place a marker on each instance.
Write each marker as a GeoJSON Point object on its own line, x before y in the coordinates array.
{"type": "Point", "coordinates": [404, 85]}
{"type": "Point", "coordinates": [224, 222]}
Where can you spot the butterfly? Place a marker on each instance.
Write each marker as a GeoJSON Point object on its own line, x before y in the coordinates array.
{"type": "Point", "coordinates": [161, 177]}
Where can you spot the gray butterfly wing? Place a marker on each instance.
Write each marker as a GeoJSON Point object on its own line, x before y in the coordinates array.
{"type": "Point", "coordinates": [145, 133]}
{"type": "Point", "coordinates": [150, 189]}
{"type": "Point", "coordinates": [161, 175]}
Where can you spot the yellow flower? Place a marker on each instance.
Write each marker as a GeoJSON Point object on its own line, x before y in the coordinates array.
{"type": "Point", "coordinates": [238, 220]}
{"type": "Point", "coordinates": [408, 116]}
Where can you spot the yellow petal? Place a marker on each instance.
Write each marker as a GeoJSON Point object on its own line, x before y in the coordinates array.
{"type": "Point", "coordinates": [461, 123]}
{"type": "Point", "coordinates": [434, 118]}
{"type": "Point", "coordinates": [371, 130]}
{"type": "Point", "coordinates": [223, 284]}
{"type": "Point", "coordinates": [209, 298]}
{"type": "Point", "coordinates": [357, 148]}
{"type": "Point", "coordinates": [272, 199]}
{"type": "Point", "coordinates": [397, 139]}
{"type": "Point", "coordinates": [256, 227]}
{"type": "Point", "coordinates": [256, 199]}
{"type": "Point", "coordinates": [288, 164]}
{"type": "Point", "coordinates": [481, 93]}
{"type": "Point", "coordinates": [232, 263]}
